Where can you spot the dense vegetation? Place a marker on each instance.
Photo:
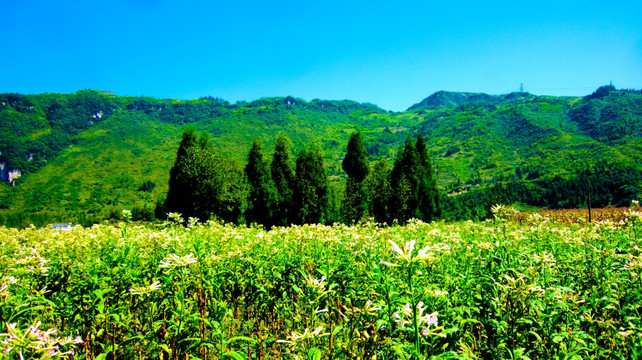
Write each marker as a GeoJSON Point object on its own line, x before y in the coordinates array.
{"type": "Point", "coordinates": [336, 284]}
{"type": "Point", "coordinates": [487, 290]}
{"type": "Point", "coordinates": [84, 157]}
{"type": "Point", "coordinates": [205, 186]}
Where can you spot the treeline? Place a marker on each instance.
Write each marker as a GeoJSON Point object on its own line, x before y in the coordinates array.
{"type": "Point", "coordinates": [609, 115]}
{"type": "Point", "coordinates": [600, 185]}
{"type": "Point", "coordinates": [205, 185]}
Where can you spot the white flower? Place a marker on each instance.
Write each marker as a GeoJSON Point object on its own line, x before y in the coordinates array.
{"type": "Point", "coordinates": [545, 258]}
{"type": "Point", "coordinates": [315, 283]}
{"type": "Point", "coordinates": [307, 334]}
{"type": "Point", "coordinates": [173, 261]}
{"type": "Point", "coordinates": [371, 307]}
{"type": "Point", "coordinates": [145, 290]}
{"type": "Point", "coordinates": [431, 319]}
{"type": "Point", "coordinates": [175, 217]}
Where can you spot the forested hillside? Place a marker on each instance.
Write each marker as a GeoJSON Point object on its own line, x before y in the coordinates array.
{"type": "Point", "coordinates": [85, 156]}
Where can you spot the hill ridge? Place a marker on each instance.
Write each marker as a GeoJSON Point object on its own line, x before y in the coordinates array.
{"type": "Point", "coordinates": [445, 98]}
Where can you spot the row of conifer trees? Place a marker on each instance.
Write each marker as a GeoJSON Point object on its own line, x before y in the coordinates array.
{"type": "Point", "coordinates": [205, 185]}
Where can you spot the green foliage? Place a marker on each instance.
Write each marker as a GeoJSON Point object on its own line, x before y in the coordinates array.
{"type": "Point", "coordinates": [414, 187]}
{"type": "Point", "coordinates": [380, 192]}
{"type": "Point", "coordinates": [145, 213]}
{"type": "Point", "coordinates": [261, 194]}
{"type": "Point", "coordinates": [489, 290]}
{"type": "Point", "coordinates": [609, 116]}
{"type": "Point", "coordinates": [601, 92]}
{"type": "Point", "coordinates": [448, 99]}
{"type": "Point", "coordinates": [355, 202]}
{"type": "Point", "coordinates": [148, 185]}
{"type": "Point", "coordinates": [611, 184]}
{"type": "Point", "coordinates": [429, 205]}
{"type": "Point", "coordinates": [284, 180]}
{"type": "Point", "coordinates": [405, 178]}
{"type": "Point", "coordinates": [39, 127]}
{"type": "Point", "coordinates": [354, 206]}
{"type": "Point", "coordinates": [83, 154]}
{"type": "Point", "coordinates": [181, 196]}
{"type": "Point", "coordinates": [311, 191]}
{"type": "Point", "coordinates": [355, 163]}
{"type": "Point", "coordinates": [204, 184]}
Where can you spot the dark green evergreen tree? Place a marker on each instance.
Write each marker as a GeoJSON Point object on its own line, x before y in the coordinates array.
{"type": "Point", "coordinates": [224, 190]}
{"type": "Point", "coordinates": [429, 206]}
{"type": "Point", "coordinates": [379, 191]}
{"type": "Point", "coordinates": [404, 181]}
{"type": "Point", "coordinates": [355, 164]}
{"type": "Point", "coordinates": [311, 192]}
{"type": "Point", "coordinates": [354, 205]}
{"type": "Point", "coordinates": [179, 196]}
{"type": "Point", "coordinates": [283, 180]}
{"type": "Point", "coordinates": [334, 203]}
{"type": "Point", "coordinates": [204, 184]}
{"type": "Point", "coordinates": [260, 194]}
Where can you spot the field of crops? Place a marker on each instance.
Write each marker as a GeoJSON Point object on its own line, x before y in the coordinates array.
{"type": "Point", "coordinates": [577, 216]}
{"type": "Point", "coordinates": [499, 289]}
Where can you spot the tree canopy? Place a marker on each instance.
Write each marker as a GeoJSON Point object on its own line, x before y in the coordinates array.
{"type": "Point", "coordinates": [311, 192]}
{"type": "Point", "coordinates": [261, 194]}
{"type": "Point", "coordinates": [356, 165]}
{"type": "Point", "coordinates": [283, 179]}
{"type": "Point", "coordinates": [203, 184]}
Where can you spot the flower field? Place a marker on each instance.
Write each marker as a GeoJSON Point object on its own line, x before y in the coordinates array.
{"type": "Point", "coordinates": [499, 289]}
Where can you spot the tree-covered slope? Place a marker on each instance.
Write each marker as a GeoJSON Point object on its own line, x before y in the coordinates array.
{"type": "Point", "coordinates": [35, 128]}
{"type": "Point", "coordinates": [448, 99]}
{"type": "Point", "coordinates": [532, 136]}
{"type": "Point", "coordinates": [120, 153]}
{"type": "Point", "coordinates": [84, 155]}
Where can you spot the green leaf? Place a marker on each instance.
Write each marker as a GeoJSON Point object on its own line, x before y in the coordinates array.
{"type": "Point", "coordinates": [336, 330]}
{"type": "Point", "coordinates": [234, 355]}
{"type": "Point", "coordinates": [539, 339]}
{"type": "Point", "coordinates": [314, 354]}
{"type": "Point", "coordinates": [380, 324]}
{"type": "Point", "coordinates": [243, 338]}
{"type": "Point", "coordinates": [201, 343]}
{"type": "Point", "coordinates": [559, 337]}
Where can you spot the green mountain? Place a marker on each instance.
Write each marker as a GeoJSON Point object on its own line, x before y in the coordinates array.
{"type": "Point", "coordinates": [448, 99]}
{"type": "Point", "coordinates": [85, 156]}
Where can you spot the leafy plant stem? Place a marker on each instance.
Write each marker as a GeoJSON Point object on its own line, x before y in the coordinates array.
{"type": "Point", "coordinates": [414, 309]}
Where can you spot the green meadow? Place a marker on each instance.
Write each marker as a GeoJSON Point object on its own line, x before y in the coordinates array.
{"type": "Point", "coordinates": [498, 289]}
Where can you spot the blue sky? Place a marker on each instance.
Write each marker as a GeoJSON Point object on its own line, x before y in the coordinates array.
{"type": "Point", "coordinates": [392, 54]}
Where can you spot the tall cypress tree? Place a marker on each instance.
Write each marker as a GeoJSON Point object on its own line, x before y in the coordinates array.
{"type": "Point", "coordinates": [379, 191]}
{"type": "Point", "coordinates": [283, 180]}
{"type": "Point", "coordinates": [260, 195]}
{"type": "Point", "coordinates": [178, 196]}
{"type": "Point", "coordinates": [429, 206]}
{"type": "Point", "coordinates": [355, 164]}
{"type": "Point", "coordinates": [311, 193]}
{"type": "Point", "coordinates": [404, 181]}
{"type": "Point", "coordinates": [202, 183]}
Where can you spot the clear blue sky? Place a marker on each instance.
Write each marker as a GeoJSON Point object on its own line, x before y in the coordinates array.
{"type": "Point", "coordinates": [390, 53]}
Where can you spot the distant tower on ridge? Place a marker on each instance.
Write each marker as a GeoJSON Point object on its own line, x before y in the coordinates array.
{"type": "Point", "coordinates": [521, 87]}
